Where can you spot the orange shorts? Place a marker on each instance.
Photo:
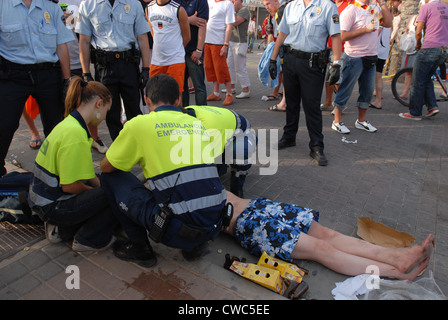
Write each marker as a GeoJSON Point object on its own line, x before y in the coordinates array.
{"type": "Point", "coordinates": [32, 108]}
{"type": "Point", "coordinates": [215, 66]}
{"type": "Point", "coordinates": [177, 71]}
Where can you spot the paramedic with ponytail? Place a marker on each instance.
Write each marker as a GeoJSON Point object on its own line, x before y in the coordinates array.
{"type": "Point", "coordinates": [64, 190]}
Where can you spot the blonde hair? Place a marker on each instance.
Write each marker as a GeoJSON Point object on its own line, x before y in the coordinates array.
{"type": "Point", "coordinates": [80, 92]}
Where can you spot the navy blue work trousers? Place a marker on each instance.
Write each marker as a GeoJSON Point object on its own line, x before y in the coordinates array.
{"type": "Point", "coordinates": [45, 86]}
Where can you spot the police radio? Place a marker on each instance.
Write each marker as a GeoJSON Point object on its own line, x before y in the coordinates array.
{"type": "Point", "coordinates": [162, 219]}
{"type": "Point", "coordinates": [227, 214]}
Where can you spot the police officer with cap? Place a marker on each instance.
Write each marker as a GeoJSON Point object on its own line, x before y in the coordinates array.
{"type": "Point", "coordinates": [304, 29]}
{"type": "Point", "coordinates": [113, 36]}
{"type": "Point", "coordinates": [33, 53]}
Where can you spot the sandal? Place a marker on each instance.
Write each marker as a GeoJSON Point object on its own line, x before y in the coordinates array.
{"type": "Point", "coordinates": [37, 143]}
{"type": "Point", "coordinates": [272, 98]}
{"type": "Point", "coordinates": [276, 108]}
{"type": "Point", "coordinates": [374, 106]}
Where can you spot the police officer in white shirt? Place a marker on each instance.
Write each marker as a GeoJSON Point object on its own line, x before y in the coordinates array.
{"type": "Point", "coordinates": [305, 28]}
{"type": "Point", "coordinates": [117, 31]}
{"type": "Point", "coordinates": [33, 53]}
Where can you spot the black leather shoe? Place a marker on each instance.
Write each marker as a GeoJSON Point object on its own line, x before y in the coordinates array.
{"type": "Point", "coordinates": [199, 251]}
{"type": "Point", "coordinates": [139, 253]}
{"type": "Point", "coordinates": [319, 157]}
{"type": "Point", "coordinates": [283, 143]}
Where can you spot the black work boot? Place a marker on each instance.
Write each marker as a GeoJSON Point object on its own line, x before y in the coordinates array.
{"type": "Point", "coordinates": [196, 253]}
{"type": "Point", "coordinates": [139, 253]}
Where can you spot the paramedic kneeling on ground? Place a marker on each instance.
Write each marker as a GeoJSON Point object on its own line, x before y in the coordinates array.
{"type": "Point", "coordinates": [185, 194]}
{"type": "Point", "coordinates": [64, 190]}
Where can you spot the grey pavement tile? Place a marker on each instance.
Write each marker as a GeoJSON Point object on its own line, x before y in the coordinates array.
{"type": "Point", "coordinates": [34, 259]}
{"type": "Point", "coordinates": [25, 284]}
{"type": "Point", "coordinates": [7, 293]}
{"type": "Point", "coordinates": [12, 272]}
{"type": "Point", "coordinates": [48, 270]}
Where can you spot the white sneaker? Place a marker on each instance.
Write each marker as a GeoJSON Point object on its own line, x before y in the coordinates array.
{"type": "Point", "coordinates": [100, 146]}
{"type": "Point", "coordinates": [225, 90]}
{"type": "Point", "coordinates": [365, 125]}
{"type": "Point", "coordinates": [51, 232]}
{"type": "Point", "coordinates": [340, 127]}
{"type": "Point", "coordinates": [243, 95]}
{"type": "Point", "coordinates": [78, 247]}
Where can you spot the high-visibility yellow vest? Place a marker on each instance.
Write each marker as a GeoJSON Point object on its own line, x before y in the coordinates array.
{"type": "Point", "coordinates": [169, 144]}
{"type": "Point", "coordinates": [64, 158]}
{"type": "Point", "coordinates": [221, 123]}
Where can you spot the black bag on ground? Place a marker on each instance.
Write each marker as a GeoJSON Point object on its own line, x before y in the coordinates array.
{"type": "Point", "coordinates": [14, 207]}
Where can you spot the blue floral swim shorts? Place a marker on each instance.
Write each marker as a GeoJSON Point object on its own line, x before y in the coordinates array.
{"type": "Point", "coordinates": [273, 227]}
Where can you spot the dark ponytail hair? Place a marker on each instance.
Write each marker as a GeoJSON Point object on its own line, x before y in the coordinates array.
{"type": "Point", "coordinates": [80, 92]}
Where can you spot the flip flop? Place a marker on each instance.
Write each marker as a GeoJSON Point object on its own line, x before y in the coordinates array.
{"type": "Point", "coordinates": [374, 106]}
{"type": "Point", "coordinates": [325, 108]}
{"type": "Point", "coordinates": [37, 145]}
{"type": "Point", "coordinates": [276, 108]}
{"type": "Point", "coordinates": [272, 98]}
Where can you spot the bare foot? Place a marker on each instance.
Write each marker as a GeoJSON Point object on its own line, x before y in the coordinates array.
{"type": "Point", "coordinates": [415, 255]}
{"type": "Point", "coordinates": [417, 271]}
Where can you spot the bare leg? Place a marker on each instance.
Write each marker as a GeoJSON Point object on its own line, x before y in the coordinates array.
{"type": "Point", "coordinates": [337, 115]}
{"type": "Point", "coordinates": [362, 114]}
{"type": "Point", "coordinates": [403, 259]}
{"type": "Point", "coordinates": [321, 251]}
{"type": "Point", "coordinates": [407, 85]}
{"type": "Point", "coordinates": [282, 104]}
{"type": "Point", "coordinates": [30, 123]}
{"type": "Point", "coordinates": [228, 86]}
{"type": "Point", "coordinates": [216, 86]}
{"type": "Point", "coordinates": [328, 95]}
{"type": "Point", "coordinates": [275, 92]}
{"type": "Point", "coordinates": [378, 90]}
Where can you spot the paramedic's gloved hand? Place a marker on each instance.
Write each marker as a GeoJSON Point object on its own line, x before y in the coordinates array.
{"type": "Point", "coordinates": [144, 77]}
{"type": "Point", "coordinates": [334, 74]}
{"type": "Point", "coordinates": [87, 77]}
{"type": "Point", "coordinates": [273, 69]}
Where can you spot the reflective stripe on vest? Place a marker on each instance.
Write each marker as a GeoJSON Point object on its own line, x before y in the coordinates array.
{"type": "Point", "coordinates": [46, 188]}
{"type": "Point", "coordinates": [201, 183]}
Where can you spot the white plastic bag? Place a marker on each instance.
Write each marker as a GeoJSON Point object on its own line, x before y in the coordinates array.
{"type": "Point", "coordinates": [422, 289]}
{"type": "Point", "coordinates": [408, 42]}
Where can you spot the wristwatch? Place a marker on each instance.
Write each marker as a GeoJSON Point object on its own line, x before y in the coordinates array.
{"type": "Point", "coordinates": [337, 62]}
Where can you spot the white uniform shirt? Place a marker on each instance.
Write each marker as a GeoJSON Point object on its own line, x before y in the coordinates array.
{"type": "Point", "coordinates": [308, 27]}
{"type": "Point", "coordinates": [112, 28]}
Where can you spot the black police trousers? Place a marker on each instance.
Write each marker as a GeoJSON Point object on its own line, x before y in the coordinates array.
{"type": "Point", "coordinates": [121, 78]}
{"type": "Point", "coordinates": [303, 84]}
{"type": "Point", "coordinates": [45, 86]}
